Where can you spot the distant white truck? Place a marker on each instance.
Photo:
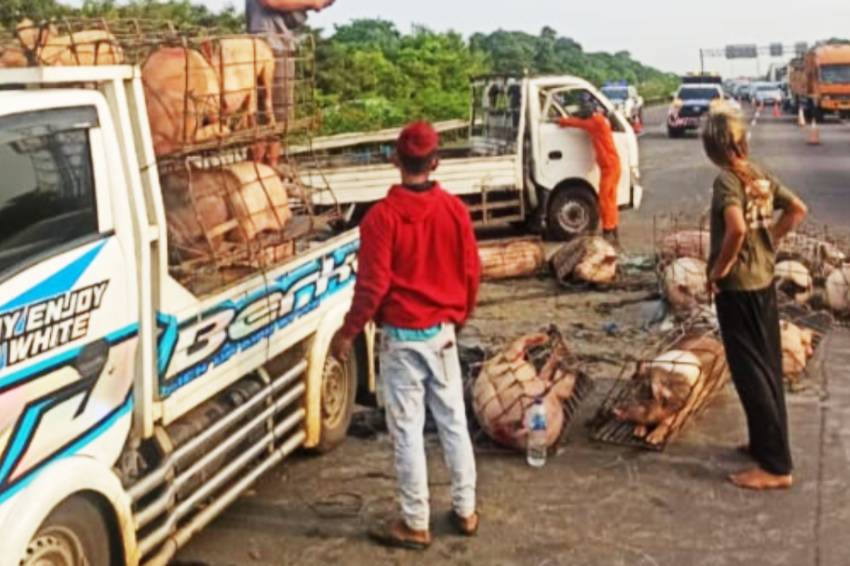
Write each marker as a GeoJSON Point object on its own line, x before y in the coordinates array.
{"type": "Point", "coordinates": [517, 164]}
{"type": "Point", "coordinates": [133, 410]}
{"type": "Point", "coordinates": [626, 100]}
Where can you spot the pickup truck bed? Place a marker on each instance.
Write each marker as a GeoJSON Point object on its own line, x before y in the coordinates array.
{"type": "Point", "coordinates": [460, 176]}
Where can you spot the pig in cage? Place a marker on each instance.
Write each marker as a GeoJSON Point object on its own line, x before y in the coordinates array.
{"type": "Point", "coordinates": [676, 235]}
{"type": "Point", "coordinates": [592, 263]}
{"type": "Point", "coordinates": [506, 384]}
{"type": "Point", "coordinates": [216, 92]}
{"type": "Point", "coordinates": [229, 217]}
{"type": "Point", "coordinates": [657, 395]}
{"type": "Point", "coordinates": [203, 89]}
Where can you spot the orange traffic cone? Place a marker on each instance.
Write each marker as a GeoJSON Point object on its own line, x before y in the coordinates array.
{"type": "Point", "coordinates": [801, 117]}
{"type": "Point", "coordinates": [814, 133]}
{"type": "Point", "coordinates": [776, 112]}
{"type": "Point", "coordinates": [638, 126]}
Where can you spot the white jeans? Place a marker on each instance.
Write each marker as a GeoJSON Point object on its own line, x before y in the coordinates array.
{"type": "Point", "coordinates": [413, 374]}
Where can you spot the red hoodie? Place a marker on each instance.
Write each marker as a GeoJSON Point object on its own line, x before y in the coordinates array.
{"type": "Point", "coordinates": [418, 262]}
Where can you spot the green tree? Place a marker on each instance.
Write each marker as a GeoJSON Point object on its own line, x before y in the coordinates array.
{"type": "Point", "coordinates": [370, 75]}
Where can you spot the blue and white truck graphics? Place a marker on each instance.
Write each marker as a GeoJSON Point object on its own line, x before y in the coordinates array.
{"type": "Point", "coordinates": [125, 398]}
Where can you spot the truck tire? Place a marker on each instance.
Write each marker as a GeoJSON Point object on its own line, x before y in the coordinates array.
{"type": "Point", "coordinates": [573, 211]}
{"type": "Point", "coordinates": [74, 534]}
{"type": "Point", "coordinates": [339, 390]}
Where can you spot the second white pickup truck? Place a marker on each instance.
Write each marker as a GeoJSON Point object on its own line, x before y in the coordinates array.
{"type": "Point", "coordinates": [517, 165]}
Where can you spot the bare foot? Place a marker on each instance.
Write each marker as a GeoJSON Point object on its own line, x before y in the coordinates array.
{"type": "Point", "coordinates": [759, 479]}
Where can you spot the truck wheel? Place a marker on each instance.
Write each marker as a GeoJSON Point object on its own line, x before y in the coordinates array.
{"type": "Point", "coordinates": [339, 389]}
{"type": "Point", "coordinates": [572, 212]}
{"type": "Point", "coordinates": [74, 534]}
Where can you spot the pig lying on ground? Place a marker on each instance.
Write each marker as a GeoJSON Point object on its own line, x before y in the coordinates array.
{"type": "Point", "coordinates": [822, 256]}
{"type": "Point", "coordinates": [838, 290]}
{"type": "Point", "coordinates": [670, 384]}
{"type": "Point", "coordinates": [794, 280]}
{"type": "Point", "coordinates": [589, 259]}
{"type": "Point", "coordinates": [685, 284]}
{"type": "Point", "coordinates": [503, 260]}
{"type": "Point", "coordinates": [797, 349]}
{"type": "Point", "coordinates": [695, 244]}
{"type": "Point", "coordinates": [508, 385]}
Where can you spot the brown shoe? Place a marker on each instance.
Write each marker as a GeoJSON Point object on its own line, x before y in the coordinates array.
{"type": "Point", "coordinates": [397, 534]}
{"type": "Point", "coordinates": [468, 526]}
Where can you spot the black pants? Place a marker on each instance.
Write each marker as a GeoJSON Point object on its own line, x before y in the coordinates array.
{"type": "Point", "coordinates": [749, 323]}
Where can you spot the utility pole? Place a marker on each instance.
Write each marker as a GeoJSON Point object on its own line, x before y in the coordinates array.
{"type": "Point", "coordinates": [701, 62]}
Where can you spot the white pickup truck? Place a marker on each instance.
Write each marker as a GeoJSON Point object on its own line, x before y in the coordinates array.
{"type": "Point", "coordinates": [518, 165]}
{"type": "Point", "coordinates": [132, 410]}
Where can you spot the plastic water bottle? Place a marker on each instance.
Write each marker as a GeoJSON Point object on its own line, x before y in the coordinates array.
{"type": "Point", "coordinates": [536, 425]}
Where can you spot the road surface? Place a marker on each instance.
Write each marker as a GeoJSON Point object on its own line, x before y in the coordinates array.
{"type": "Point", "coordinates": [595, 504]}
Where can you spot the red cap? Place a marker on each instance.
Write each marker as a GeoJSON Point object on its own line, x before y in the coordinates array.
{"type": "Point", "coordinates": [418, 140]}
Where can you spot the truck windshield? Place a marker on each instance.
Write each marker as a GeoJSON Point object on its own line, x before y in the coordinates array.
{"type": "Point", "coordinates": [616, 92]}
{"type": "Point", "coordinates": [699, 93]}
{"type": "Point", "coordinates": [835, 74]}
{"type": "Point", "coordinates": [47, 185]}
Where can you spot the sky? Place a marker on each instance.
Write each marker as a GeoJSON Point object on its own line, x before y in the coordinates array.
{"type": "Point", "coordinates": [666, 34]}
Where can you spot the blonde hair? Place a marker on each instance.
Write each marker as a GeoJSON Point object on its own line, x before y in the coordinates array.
{"type": "Point", "coordinates": [725, 139]}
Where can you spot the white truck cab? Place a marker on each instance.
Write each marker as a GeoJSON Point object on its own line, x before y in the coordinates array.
{"type": "Point", "coordinates": [134, 409]}
{"type": "Point", "coordinates": [516, 165]}
{"type": "Point", "coordinates": [626, 100]}
{"type": "Point", "coordinates": [564, 163]}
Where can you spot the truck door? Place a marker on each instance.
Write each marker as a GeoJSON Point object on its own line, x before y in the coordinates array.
{"type": "Point", "coordinates": [68, 321]}
{"type": "Point", "coordinates": [566, 153]}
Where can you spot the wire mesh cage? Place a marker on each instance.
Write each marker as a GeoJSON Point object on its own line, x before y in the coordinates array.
{"type": "Point", "coordinates": [223, 111]}
{"type": "Point", "coordinates": [658, 394]}
{"type": "Point", "coordinates": [495, 114]}
{"type": "Point", "coordinates": [204, 90]}
{"type": "Point", "coordinates": [229, 217]}
{"type": "Point", "coordinates": [802, 331]}
{"type": "Point", "coordinates": [677, 235]}
{"type": "Point", "coordinates": [511, 258]}
{"type": "Point", "coordinates": [503, 386]}
{"type": "Point", "coordinates": [682, 245]}
{"type": "Point", "coordinates": [817, 247]}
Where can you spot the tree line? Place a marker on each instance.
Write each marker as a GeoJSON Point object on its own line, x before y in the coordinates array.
{"type": "Point", "coordinates": [370, 75]}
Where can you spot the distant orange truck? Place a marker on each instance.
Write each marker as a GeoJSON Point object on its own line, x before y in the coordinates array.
{"type": "Point", "coordinates": [820, 81]}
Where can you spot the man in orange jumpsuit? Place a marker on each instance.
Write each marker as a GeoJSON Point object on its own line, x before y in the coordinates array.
{"type": "Point", "coordinates": [597, 125]}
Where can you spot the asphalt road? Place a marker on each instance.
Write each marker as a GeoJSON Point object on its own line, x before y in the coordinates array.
{"type": "Point", "coordinates": [678, 177]}
{"type": "Point", "coordinates": [596, 504]}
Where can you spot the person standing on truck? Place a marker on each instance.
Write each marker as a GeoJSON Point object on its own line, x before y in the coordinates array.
{"type": "Point", "coordinates": [744, 238]}
{"type": "Point", "coordinates": [278, 20]}
{"type": "Point", "coordinates": [596, 123]}
{"type": "Point", "coordinates": [418, 278]}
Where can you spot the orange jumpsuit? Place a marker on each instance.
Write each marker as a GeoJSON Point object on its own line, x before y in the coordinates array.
{"type": "Point", "coordinates": [608, 160]}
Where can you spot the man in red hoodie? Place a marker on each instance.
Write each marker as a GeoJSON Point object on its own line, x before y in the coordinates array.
{"type": "Point", "coordinates": [418, 278]}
